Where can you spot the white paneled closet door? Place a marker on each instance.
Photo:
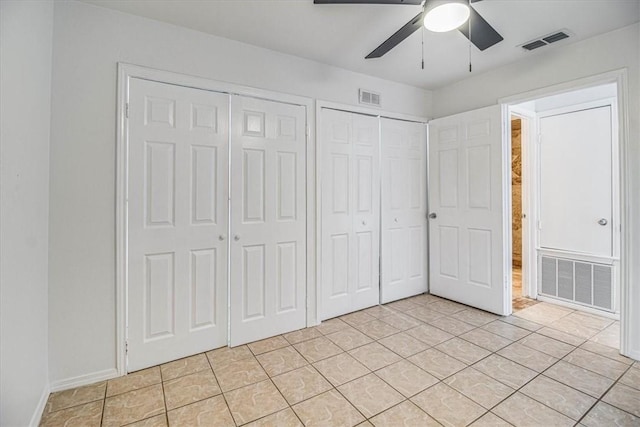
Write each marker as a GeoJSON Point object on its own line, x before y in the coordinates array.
{"type": "Point", "coordinates": [404, 210]}
{"type": "Point", "coordinates": [268, 219]}
{"type": "Point", "coordinates": [350, 223]}
{"type": "Point", "coordinates": [177, 222]}
{"type": "Point", "coordinates": [467, 209]}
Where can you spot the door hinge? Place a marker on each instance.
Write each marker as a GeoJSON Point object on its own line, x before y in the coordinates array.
{"type": "Point", "coordinates": [126, 110]}
{"type": "Point", "coordinates": [126, 347]}
{"type": "Point", "coordinates": [539, 225]}
{"type": "Point", "coordinates": [539, 138]}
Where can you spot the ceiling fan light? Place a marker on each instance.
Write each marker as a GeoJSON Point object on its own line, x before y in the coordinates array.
{"type": "Point", "coordinates": [446, 16]}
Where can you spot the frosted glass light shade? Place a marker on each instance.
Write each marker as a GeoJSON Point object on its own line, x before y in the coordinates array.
{"type": "Point", "coordinates": [446, 16]}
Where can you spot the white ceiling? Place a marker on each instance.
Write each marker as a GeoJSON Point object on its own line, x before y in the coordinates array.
{"type": "Point", "coordinates": [342, 35]}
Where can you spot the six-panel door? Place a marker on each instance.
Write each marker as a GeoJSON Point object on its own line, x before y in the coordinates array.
{"type": "Point", "coordinates": [177, 222]}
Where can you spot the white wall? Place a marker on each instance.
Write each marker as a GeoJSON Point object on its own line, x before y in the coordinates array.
{"type": "Point", "coordinates": [25, 105]}
{"type": "Point", "coordinates": [612, 51]}
{"type": "Point", "coordinates": [88, 42]}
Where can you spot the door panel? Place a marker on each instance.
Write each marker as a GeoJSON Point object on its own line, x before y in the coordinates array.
{"type": "Point", "coordinates": [350, 212]}
{"type": "Point", "coordinates": [177, 214]}
{"type": "Point", "coordinates": [268, 228]}
{"type": "Point", "coordinates": [466, 244]}
{"type": "Point", "coordinates": [404, 210]}
{"type": "Point", "coordinates": [574, 193]}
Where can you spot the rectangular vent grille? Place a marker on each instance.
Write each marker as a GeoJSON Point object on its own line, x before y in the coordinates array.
{"type": "Point", "coordinates": [580, 282]}
{"type": "Point", "coordinates": [545, 40]}
{"type": "Point", "coordinates": [369, 98]}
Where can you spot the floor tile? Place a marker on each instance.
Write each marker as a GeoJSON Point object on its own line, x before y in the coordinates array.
{"type": "Point", "coordinates": [280, 361]}
{"type": "Point", "coordinates": [452, 326]}
{"type": "Point", "coordinates": [609, 336]}
{"type": "Point", "coordinates": [429, 335]}
{"type": "Point", "coordinates": [284, 418]}
{"type": "Point", "coordinates": [400, 321]}
{"type": "Point", "coordinates": [579, 378]}
{"type": "Point", "coordinates": [550, 346]}
{"type": "Point", "coordinates": [490, 420]}
{"type": "Point", "coordinates": [558, 396]}
{"type": "Point", "coordinates": [348, 339]}
{"type": "Point", "coordinates": [134, 381]}
{"type": "Point", "coordinates": [506, 330]}
{"type": "Point", "coordinates": [254, 401]}
{"type": "Point", "coordinates": [85, 415]}
{"type": "Point", "coordinates": [606, 351]}
{"type": "Point", "coordinates": [505, 371]}
{"type": "Point", "coordinates": [631, 378]}
{"type": "Point", "coordinates": [437, 363]}
{"type": "Point", "coordinates": [269, 344]}
{"type": "Point", "coordinates": [625, 398]}
{"type": "Point", "coordinates": [521, 410]}
{"type": "Point", "coordinates": [572, 326]}
{"type": "Point", "coordinates": [479, 387]}
{"type": "Point", "coordinates": [404, 344]}
{"type": "Point", "coordinates": [182, 367]}
{"type": "Point", "coordinates": [463, 350]}
{"type": "Point", "coordinates": [526, 356]}
{"type": "Point", "coordinates": [377, 329]}
{"type": "Point", "coordinates": [317, 349]}
{"type": "Point", "coordinates": [606, 415]}
{"type": "Point", "coordinates": [330, 326]}
{"type": "Point", "coordinates": [407, 378]}
{"type": "Point", "coordinates": [374, 356]}
{"type": "Point", "coordinates": [210, 412]}
{"type": "Point", "coordinates": [424, 299]}
{"type": "Point", "coordinates": [341, 369]}
{"type": "Point", "coordinates": [406, 414]}
{"type": "Point", "coordinates": [76, 396]}
{"type": "Point", "coordinates": [302, 335]}
{"type": "Point", "coordinates": [403, 305]}
{"type": "Point", "coordinates": [543, 313]}
{"type": "Point", "coordinates": [475, 317]}
{"type": "Point", "coordinates": [357, 318]}
{"type": "Point", "coordinates": [189, 389]}
{"type": "Point", "coordinates": [596, 363]}
{"type": "Point", "coordinates": [225, 355]}
{"type": "Point", "coordinates": [521, 323]}
{"type": "Point", "coordinates": [424, 314]}
{"type": "Point", "coordinates": [240, 373]}
{"type": "Point", "coordinates": [486, 339]}
{"type": "Point", "coordinates": [448, 406]}
{"type": "Point", "coordinates": [133, 406]}
{"type": "Point", "coordinates": [448, 307]}
{"type": "Point", "coordinates": [378, 311]}
{"type": "Point", "coordinates": [301, 384]}
{"type": "Point", "coordinates": [370, 395]}
{"type": "Point", "coordinates": [561, 336]}
{"type": "Point", "coordinates": [328, 409]}
{"type": "Point", "coordinates": [590, 321]}
{"type": "Point", "coordinates": [156, 421]}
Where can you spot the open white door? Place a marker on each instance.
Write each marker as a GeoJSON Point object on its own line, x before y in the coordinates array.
{"type": "Point", "coordinates": [177, 222]}
{"type": "Point", "coordinates": [467, 209]}
{"type": "Point", "coordinates": [404, 210]}
{"type": "Point", "coordinates": [350, 212]}
{"type": "Point", "coordinates": [268, 220]}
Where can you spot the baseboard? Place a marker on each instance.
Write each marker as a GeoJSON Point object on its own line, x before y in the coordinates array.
{"type": "Point", "coordinates": [37, 414]}
{"type": "Point", "coordinates": [86, 379]}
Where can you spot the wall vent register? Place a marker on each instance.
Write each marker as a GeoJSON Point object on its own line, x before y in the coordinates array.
{"type": "Point", "coordinates": [545, 40]}
{"type": "Point", "coordinates": [369, 98]}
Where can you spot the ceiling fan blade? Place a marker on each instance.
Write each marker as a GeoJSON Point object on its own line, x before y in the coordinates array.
{"type": "Point", "coordinates": [404, 32]}
{"type": "Point", "coordinates": [483, 35]}
{"type": "Point", "coordinates": [409, 2]}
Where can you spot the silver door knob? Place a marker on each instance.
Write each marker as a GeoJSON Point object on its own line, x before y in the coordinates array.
{"type": "Point", "coordinates": [236, 237]}
{"type": "Point", "coordinates": [221, 237]}
{"type": "Point", "coordinates": [602, 221]}
{"type": "Point", "coordinates": [433, 215]}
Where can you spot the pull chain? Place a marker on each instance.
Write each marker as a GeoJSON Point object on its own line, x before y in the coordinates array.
{"type": "Point", "coordinates": [470, 66]}
{"type": "Point", "coordinates": [423, 47]}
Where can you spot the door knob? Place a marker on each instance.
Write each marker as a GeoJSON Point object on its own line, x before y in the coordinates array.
{"type": "Point", "coordinates": [433, 215]}
{"type": "Point", "coordinates": [221, 237]}
{"type": "Point", "coordinates": [602, 221]}
{"type": "Point", "coordinates": [395, 220]}
{"type": "Point", "coordinates": [364, 222]}
{"type": "Point", "coordinates": [236, 237]}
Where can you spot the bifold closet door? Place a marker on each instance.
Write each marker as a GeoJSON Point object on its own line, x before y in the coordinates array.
{"type": "Point", "coordinates": [404, 210]}
{"type": "Point", "coordinates": [350, 222]}
{"type": "Point", "coordinates": [268, 219]}
{"type": "Point", "coordinates": [177, 222]}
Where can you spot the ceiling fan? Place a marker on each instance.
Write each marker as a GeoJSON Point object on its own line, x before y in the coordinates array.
{"type": "Point", "coordinates": [436, 15]}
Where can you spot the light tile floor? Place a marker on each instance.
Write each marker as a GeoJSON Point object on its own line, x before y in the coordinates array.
{"type": "Point", "coordinates": [423, 361]}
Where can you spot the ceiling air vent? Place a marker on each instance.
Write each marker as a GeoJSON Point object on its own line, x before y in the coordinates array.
{"type": "Point", "coordinates": [369, 98]}
{"type": "Point", "coordinates": [546, 40]}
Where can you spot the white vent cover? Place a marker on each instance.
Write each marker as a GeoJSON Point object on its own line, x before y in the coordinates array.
{"type": "Point", "coordinates": [369, 98]}
{"type": "Point", "coordinates": [580, 282]}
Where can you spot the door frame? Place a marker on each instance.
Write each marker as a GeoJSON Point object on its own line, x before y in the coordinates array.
{"type": "Point", "coordinates": [125, 73]}
{"type": "Point", "coordinates": [319, 105]}
{"type": "Point", "coordinates": [620, 79]}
